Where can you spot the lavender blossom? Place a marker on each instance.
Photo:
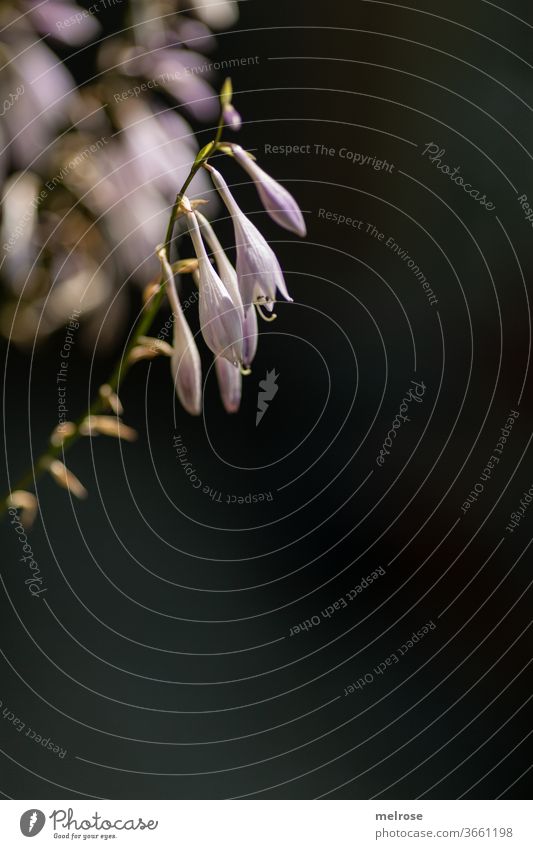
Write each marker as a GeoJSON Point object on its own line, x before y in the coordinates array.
{"type": "Point", "coordinates": [219, 319]}
{"type": "Point", "coordinates": [231, 117]}
{"type": "Point", "coordinates": [226, 272]}
{"type": "Point", "coordinates": [278, 202]}
{"type": "Point", "coordinates": [258, 271]}
{"type": "Point", "coordinates": [230, 384]}
{"type": "Point", "coordinates": [185, 360]}
{"type": "Point", "coordinates": [228, 276]}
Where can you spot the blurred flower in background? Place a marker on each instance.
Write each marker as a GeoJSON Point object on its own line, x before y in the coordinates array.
{"type": "Point", "coordinates": [89, 172]}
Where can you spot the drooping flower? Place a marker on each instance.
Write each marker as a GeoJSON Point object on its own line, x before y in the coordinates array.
{"type": "Point", "coordinates": [220, 319]}
{"type": "Point", "coordinates": [228, 276]}
{"type": "Point", "coordinates": [176, 70]}
{"type": "Point", "coordinates": [230, 384]}
{"type": "Point", "coordinates": [226, 272]}
{"type": "Point", "coordinates": [258, 271]}
{"type": "Point", "coordinates": [249, 337]}
{"type": "Point", "coordinates": [185, 362]}
{"type": "Point", "coordinates": [278, 202]}
{"type": "Point", "coordinates": [27, 503]}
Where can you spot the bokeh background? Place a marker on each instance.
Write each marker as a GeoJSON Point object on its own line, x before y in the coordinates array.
{"type": "Point", "coordinates": [161, 657]}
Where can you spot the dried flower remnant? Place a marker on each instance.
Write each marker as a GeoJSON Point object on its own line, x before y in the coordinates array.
{"type": "Point", "coordinates": [230, 384]}
{"type": "Point", "coordinates": [107, 426]}
{"type": "Point", "coordinates": [220, 319]}
{"type": "Point", "coordinates": [249, 337]}
{"type": "Point", "coordinates": [227, 273]}
{"type": "Point", "coordinates": [228, 324]}
{"type": "Point", "coordinates": [111, 398]}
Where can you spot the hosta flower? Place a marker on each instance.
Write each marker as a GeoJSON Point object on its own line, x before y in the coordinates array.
{"type": "Point", "coordinates": [230, 384]}
{"type": "Point", "coordinates": [228, 276]}
{"type": "Point", "coordinates": [220, 319]}
{"type": "Point", "coordinates": [185, 360]}
{"type": "Point", "coordinates": [278, 202]}
{"type": "Point", "coordinates": [258, 271]}
{"type": "Point", "coordinates": [226, 272]}
{"type": "Point", "coordinates": [249, 337]}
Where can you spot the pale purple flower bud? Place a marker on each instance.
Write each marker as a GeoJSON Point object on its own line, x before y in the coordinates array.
{"type": "Point", "coordinates": [230, 384]}
{"type": "Point", "coordinates": [231, 117]}
{"type": "Point", "coordinates": [185, 362]}
{"type": "Point", "coordinates": [220, 320]}
{"type": "Point", "coordinates": [249, 337]}
{"type": "Point", "coordinates": [258, 271]}
{"type": "Point", "coordinates": [226, 272]}
{"type": "Point", "coordinates": [278, 202]}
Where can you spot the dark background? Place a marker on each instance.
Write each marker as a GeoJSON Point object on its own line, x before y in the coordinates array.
{"type": "Point", "coordinates": [162, 659]}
